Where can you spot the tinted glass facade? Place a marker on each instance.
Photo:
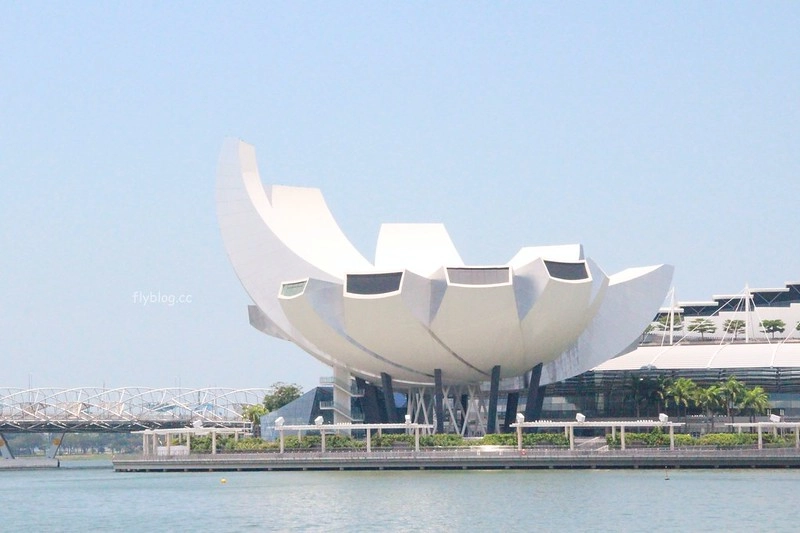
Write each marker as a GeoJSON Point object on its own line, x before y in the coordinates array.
{"type": "Point", "coordinates": [567, 271]}
{"type": "Point", "coordinates": [374, 283]}
{"type": "Point", "coordinates": [478, 276]}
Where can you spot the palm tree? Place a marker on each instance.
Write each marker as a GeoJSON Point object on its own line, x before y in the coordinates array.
{"type": "Point", "coordinates": [711, 400]}
{"type": "Point", "coordinates": [681, 392]}
{"type": "Point", "coordinates": [253, 413]}
{"type": "Point", "coordinates": [702, 326]}
{"type": "Point", "coordinates": [734, 326]}
{"type": "Point", "coordinates": [732, 392]}
{"type": "Point", "coordinates": [773, 326]}
{"type": "Point", "coordinates": [644, 391]}
{"type": "Point", "coordinates": [755, 401]}
{"type": "Point", "coordinates": [661, 387]}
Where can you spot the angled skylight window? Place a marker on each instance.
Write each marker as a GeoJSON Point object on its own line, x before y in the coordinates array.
{"type": "Point", "coordinates": [293, 289]}
{"type": "Point", "coordinates": [479, 276]}
{"type": "Point", "coordinates": [374, 283]}
{"type": "Point", "coordinates": [567, 271]}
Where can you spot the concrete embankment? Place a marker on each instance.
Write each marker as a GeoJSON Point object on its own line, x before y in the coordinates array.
{"type": "Point", "coordinates": [27, 463]}
{"type": "Point", "coordinates": [465, 459]}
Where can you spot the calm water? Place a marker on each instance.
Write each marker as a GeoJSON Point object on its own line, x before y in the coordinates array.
{"type": "Point", "coordinates": [97, 499]}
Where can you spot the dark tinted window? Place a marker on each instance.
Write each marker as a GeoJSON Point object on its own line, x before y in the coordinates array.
{"type": "Point", "coordinates": [373, 283]}
{"type": "Point", "coordinates": [478, 276]}
{"type": "Point", "coordinates": [292, 289]}
{"type": "Point", "coordinates": [569, 271]}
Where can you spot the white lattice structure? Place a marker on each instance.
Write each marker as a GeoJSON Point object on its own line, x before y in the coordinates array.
{"type": "Point", "coordinates": [122, 409]}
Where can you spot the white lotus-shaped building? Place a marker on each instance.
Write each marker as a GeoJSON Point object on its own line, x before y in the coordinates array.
{"type": "Point", "coordinates": [418, 313]}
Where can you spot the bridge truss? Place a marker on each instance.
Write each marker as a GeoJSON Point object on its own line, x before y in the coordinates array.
{"type": "Point", "coordinates": [126, 409]}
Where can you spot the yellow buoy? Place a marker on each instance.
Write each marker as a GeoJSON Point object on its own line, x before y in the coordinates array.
{"type": "Point", "coordinates": [223, 481]}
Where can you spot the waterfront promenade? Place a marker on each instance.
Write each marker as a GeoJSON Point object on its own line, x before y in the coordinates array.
{"type": "Point", "coordinates": [472, 458]}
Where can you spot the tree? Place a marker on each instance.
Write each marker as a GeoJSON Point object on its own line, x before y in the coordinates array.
{"type": "Point", "coordinates": [662, 324]}
{"type": "Point", "coordinates": [702, 326]}
{"type": "Point", "coordinates": [733, 390]}
{"type": "Point", "coordinates": [280, 394]}
{"type": "Point", "coordinates": [644, 392]}
{"type": "Point", "coordinates": [773, 326]}
{"type": "Point", "coordinates": [797, 327]}
{"type": "Point", "coordinates": [710, 399]}
{"type": "Point", "coordinates": [681, 392]}
{"type": "Point", "coordinates": [755, 401]}
{"type": "Point", "coordinates": [734, 327]}
{"type": "Point", "coordinates": [253, 413]}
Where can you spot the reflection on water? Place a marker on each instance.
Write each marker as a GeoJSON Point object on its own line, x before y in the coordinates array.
{"type": "Point", "coordinates": [88, 495]}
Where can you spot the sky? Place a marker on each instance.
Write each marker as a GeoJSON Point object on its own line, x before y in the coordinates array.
{"type": "Point", "coordinates": [649, 132]}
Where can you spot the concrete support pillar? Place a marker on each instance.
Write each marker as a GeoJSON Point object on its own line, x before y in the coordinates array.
{"type": "Point", "coordinates": [369, 440]}
{"type": "Point", "coordinates": [388, 398]}
{"type": "Point", "coordinates": [341, 395]}
{"type": "Point", "coordinates": [416, 438]}
{"type": "Point", "coordinates": [622, 436]}
{"type": "Point", "coordinates": [5, 451]}
{"type": "Point", "coordinates": [213, 441]}
{"type": "Point", "coordinates": [797, 436]}
{"type": "Point", "coordinates": [438, 400]}
{"type": "Point", "coordinates": [671, 437]}
{"type": "Point", "coordinates": [533, 410]}
{"type": "Point", "coordinates": [55, 444]}
{"type": "Point", "coordinates": [494, 391]}
{"type": "Point", "coordinates": [322, 433]}
{"type": "Point", "coordinates": [512, 401]}
{"type": "Point", "coordinates": [369, 402]}
{"type": "Point", "coordinates": [760, 438]}
{"type": "Point", "coordinates": [571, 437]}
{"type": "Point", "coordinates": [282, 439]}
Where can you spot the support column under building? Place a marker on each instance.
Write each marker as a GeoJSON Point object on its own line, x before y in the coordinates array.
{"type": "Point", "coordinates": [512, 401]}
{"type": "Point", "coordinates": [494, 389]}
{"type": "Point", "coordinates": [388, 398]}
{"type": "Point", "coordinates": [369, 402]}
{"type": "Point", "coordinates": [342, 412]}
{"type": "Point", "coordinates": [438, 400]}
{"type": "Point", "coordinates": [535, 398]}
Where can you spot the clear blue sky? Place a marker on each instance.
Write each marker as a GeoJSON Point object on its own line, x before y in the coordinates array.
{"type": "Point", "coordinates": [649, 132]}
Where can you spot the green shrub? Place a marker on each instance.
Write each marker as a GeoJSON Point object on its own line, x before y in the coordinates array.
{"type": "Point", "coordinates": [553, 439]}
{"type": "Point", "coordinates": [499, 439]}
{"type": "Point", "coordinates": [387, 440]}
{"type": "Point", "coordinates": [343, 442]}
{"type": "Point", "coordinates": [441, 439]}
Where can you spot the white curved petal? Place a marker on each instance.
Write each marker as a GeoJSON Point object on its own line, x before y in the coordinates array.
{"type": "Point", "coordinates": [420, 248]}
{"type": "Point", "coordinates": [477, 319]}
{"type": "Point", "coordinates": [262, 249]}
{"type": "Point", "coordinates": [559, 310]}
{"type": "Point", "coordinates": [631, 299]}
{"type": "Point", "coordinates": [564, 252]}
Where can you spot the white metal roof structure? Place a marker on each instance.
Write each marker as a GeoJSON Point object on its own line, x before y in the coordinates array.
{"type": "Point", "coordinates": [707, 356]}
{"type": "Point", "coordinates": [418, 307]}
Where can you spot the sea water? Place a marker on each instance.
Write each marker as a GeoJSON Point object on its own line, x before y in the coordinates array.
{"type": "Point", "coordinates": [90, 496]}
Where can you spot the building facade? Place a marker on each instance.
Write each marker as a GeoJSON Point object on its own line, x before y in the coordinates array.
{"type": "Point", "coordinates": [417, 319]}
